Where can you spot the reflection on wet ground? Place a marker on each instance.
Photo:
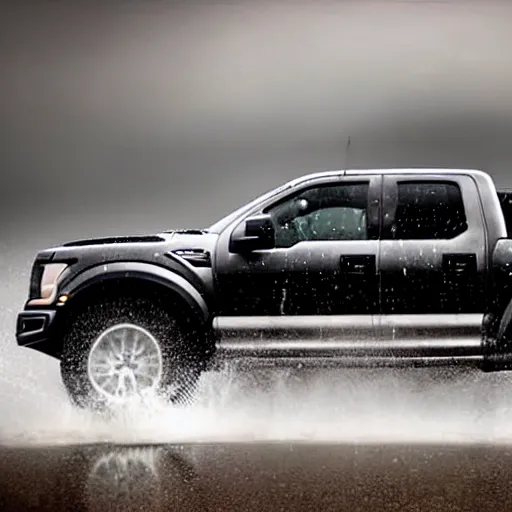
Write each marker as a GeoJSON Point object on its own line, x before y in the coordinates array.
{"type": "Point", "coordinates": [259, 477]}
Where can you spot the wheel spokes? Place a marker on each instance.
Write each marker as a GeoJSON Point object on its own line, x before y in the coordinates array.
{"type": "Point", "coordinates": [124, 361]}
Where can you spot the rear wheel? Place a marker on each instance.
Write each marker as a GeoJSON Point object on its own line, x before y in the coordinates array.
{"type": "Point", "coordinates": [123, 349]}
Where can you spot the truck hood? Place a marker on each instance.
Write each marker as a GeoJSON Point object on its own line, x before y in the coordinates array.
{"type": "Point", "coordinates": [186, 243]}
{"type": "Point", "coordinates": [116, 240]}
{"type": "Point", "coordinates": [164, 236]}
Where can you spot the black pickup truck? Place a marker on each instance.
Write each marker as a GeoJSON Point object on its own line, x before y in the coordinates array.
{"type": "Point", "coordinates": [343, 268]}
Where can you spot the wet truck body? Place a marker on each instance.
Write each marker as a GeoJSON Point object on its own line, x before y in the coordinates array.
{"type": "Point", "coordinates": [389, 267]}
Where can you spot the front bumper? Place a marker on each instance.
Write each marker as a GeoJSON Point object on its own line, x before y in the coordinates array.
{"type": "Point", "coordinates": [36, 329]}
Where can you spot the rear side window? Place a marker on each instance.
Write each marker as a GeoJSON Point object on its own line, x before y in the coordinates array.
{"type": "Point", "coordinates": [429, 211]}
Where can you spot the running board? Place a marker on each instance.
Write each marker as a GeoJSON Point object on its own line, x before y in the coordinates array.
{"type": "Point", "coordinates": [345, 362]}
{"type": "Point", "coordinates": [361, 337]}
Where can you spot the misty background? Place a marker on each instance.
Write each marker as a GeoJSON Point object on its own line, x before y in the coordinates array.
{"type": "Point", "coordinates": [121, 117]}
{"type": "Point", "coordinates": [144, 115]}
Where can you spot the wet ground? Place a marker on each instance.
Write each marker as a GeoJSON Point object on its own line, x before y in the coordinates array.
{"type": "Point", "coordinates": [357, 441]}
{"type": "Point", "coordinates": [257, 477]}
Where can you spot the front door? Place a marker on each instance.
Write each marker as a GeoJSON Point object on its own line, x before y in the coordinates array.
{"type": "Point", "coordinates": [325, 260]}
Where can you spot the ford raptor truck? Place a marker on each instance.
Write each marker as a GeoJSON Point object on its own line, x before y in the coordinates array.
{"type": "Point", "coordinates": [346, 268]}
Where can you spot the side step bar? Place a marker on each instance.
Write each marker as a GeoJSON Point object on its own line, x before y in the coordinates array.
{"type": "Point", "coordinates": [365, 339]}
{"type": "Point", "coordinates": [220, 362]}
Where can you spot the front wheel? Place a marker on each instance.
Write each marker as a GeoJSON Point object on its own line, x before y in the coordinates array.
{"type": "Point", "coordinates": [128, 348]}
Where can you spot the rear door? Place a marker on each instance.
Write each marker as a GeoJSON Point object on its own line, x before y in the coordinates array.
{"type": "Point", "coordinates": [433, 257]}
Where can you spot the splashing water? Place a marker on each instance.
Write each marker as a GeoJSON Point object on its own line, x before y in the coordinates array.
{"type": "Point", "coordinates": [354, 406]}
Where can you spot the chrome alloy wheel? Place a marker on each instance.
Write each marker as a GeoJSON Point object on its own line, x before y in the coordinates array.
{"type": "Point", "coordinates": [125, 361]}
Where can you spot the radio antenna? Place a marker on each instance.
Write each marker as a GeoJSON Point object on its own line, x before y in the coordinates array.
{"type": "Point", "coordinates": [346, 153]}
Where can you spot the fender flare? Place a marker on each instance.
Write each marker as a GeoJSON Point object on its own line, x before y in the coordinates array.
{"type": "Point", "coordinates": [145, 271]}
{"type": "Point", "coordinates": [505, 324]}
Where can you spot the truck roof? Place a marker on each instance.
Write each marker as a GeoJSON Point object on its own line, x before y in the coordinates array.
{"type": "Point", "coordinates": [405, 171]}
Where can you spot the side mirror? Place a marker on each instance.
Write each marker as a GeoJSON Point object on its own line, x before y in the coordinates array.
{"type": "Point", "coordinates": [254, 234]}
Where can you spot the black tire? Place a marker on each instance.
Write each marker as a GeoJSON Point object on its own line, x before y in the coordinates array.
{"type": "Point", "coordinates": [183, 354]}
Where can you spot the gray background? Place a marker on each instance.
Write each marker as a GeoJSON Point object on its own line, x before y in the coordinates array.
{"type": "Point", "coordinates": [134, 116]}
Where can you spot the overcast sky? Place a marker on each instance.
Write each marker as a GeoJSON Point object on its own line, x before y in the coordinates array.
{"type": "Point", "coordinates": [126, 115]}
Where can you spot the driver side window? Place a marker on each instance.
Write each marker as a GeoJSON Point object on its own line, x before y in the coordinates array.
{"type": "Point", "coordinates": [328, 212]}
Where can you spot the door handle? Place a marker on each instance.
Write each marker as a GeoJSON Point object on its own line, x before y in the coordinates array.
{"type": "Point", "coordinates": [360, 265]}
{"type": "Point", "coordinates": [457, 264]}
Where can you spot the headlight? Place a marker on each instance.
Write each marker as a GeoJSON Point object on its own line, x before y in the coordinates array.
{"type": "Point", "coordinates": [46, 278]}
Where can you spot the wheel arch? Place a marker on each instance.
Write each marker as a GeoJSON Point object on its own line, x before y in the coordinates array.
{"type": "Point", "coordinates": [503, 340]}
{"type": "Point", "coordinates": [146, 275]}
{"type": "Point", "coordinates": [138, 280]}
